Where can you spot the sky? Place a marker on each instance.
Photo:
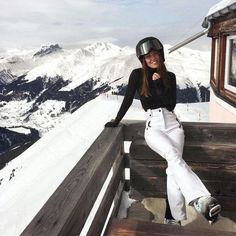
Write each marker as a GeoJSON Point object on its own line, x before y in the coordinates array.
{"type": "Point", "coordinates": [27, 24]}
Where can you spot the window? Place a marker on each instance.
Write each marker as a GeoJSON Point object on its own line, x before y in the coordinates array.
{"type": "Point", "coordinates": [230, 66]}
{"type": "Point", "coordinates": [216, 41]}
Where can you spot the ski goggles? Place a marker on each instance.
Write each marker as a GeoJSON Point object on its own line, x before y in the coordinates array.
{"type": "Point", "coordinates": [146, 47]}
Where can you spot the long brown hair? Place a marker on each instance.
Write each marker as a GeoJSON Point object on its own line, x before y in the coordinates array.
{"type": "Point", "coordinates": [162, 71]}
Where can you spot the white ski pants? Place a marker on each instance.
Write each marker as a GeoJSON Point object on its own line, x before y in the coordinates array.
{"type": "Point", "coordinates": [165, 135]}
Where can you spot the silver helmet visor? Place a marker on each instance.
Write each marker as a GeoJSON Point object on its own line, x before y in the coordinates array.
{"type": "Point", "coordinates": [147, 46]}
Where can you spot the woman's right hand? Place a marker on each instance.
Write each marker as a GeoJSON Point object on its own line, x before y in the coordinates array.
{"type": "Point", "coordinates": [156, 76]}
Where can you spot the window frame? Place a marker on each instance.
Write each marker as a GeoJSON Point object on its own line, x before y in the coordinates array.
{"type": "Point", "coordinates": [216, 59]}
{"type": "Point", "coordinates": [227, 65]}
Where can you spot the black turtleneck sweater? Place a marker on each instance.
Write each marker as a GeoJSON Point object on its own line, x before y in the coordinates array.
{"type": "Point", "coordinates": [159, 95]}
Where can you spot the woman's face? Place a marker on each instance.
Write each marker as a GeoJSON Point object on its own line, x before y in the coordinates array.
{"type": "Point", "coordinates": [153, 60]}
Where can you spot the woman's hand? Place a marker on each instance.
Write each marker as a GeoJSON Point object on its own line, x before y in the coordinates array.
{"type": "Point", "coordinates": [155, 76]}
{"type": "Point", "coordinates": [111, 124]}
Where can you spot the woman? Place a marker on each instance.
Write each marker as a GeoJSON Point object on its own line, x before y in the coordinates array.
{"type": "Point", "coordinates": [164, 133]}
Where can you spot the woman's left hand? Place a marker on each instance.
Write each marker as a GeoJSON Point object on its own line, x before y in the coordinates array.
{"type": "Point", "coordinates": [155, 76]}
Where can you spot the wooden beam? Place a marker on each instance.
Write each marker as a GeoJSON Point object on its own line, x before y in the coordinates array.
{"type": "Point", "coordinates": [66, 211]}
{"type": "Point", "coordinates": [217, 172]}
{"type": "Point", "coordinates": [193, 152]}
{"type": "Point", "coordinates": [103, 210]}
{"type": "Point", "coordinates": [202, 132]}
{"type": "Point", "coordinates": [224, 24]}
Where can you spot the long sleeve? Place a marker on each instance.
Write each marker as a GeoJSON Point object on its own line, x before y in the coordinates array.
{"type": "Point", "coordinates": [172, 96]}
{"type": "Point", "coordinates": [129, 96]}
{"type": "Point", "coordinates": [161, 96]}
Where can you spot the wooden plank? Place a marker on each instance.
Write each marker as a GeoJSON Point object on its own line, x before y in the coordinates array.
{"type": "Point", "coordinates": [117, 199]}
{"type": "Point", "coordinates": [148, 186]}
{"type": "Point", "coordinates": [227, 203]}
{"type": "Point", "coordinates": [209, 133]}
{"type": "Point", "coordinates": [223, 24]}
{"type": "Point", "coordinates": [206, 171]}
{"type": "Point", "coordinates": [193, 152]}
{"type": "Point", "coordinates": [226, 173]}
{"type": "Point", "coordinates": [210, 153]}
{"type": "Point", "coordinates": [194, 131]}
{"type": "Point", "coordinates": [147, 168]}
{"type": "Point", "coordinates": [141, 228]}
{"type": "Point", "coordinates": [157, 185]}
{"type": "Point", "coordinates": [139, 195]}
{"type": "Point", "coordinates": [127, 166]}
{"type": "Point", "coordinates": [159, 190]}
{"type": "Point", "coordinates": [103, 210]}
{"type": "Point", "coordinates": [66, 211]}
{"type": "Point", "coordinates": [220, 188]}
{"type": "Point", "coordinates": [133, 129]}
{"type": "Point", "coordinates": [140, 150]}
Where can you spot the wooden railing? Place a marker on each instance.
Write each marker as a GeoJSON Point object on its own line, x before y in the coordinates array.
{"type": "Point", "coordinates": [67, 210]}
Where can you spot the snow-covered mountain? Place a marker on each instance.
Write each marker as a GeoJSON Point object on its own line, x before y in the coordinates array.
{"type": "Point", "coordinates": [45, 50]}
{"type": "Point", "coordinates": [39, 88]}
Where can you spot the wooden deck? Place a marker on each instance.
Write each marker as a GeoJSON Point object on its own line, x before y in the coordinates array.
{"type": "Point", "coordinates": [210, 150]}
{"type": "Point", "coordinates": [141, 228]}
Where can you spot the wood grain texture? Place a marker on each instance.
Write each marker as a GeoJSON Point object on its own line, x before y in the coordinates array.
{"type": "Point", "coordinates": [141, 228]}
{"type": "Point", "coordinates": [210, 150]}
{"type": "Point", "coordinates": [66, 211]}
{"type": "Point", "coordinates": [104, 207]}
{"type": "Point", "coordinates": [193, 152]}
{"type": "Point", "coordinates": [202, 132]}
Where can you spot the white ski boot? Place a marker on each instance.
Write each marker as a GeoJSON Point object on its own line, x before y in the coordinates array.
{"type": "Point", "coordinates": [171, 222]}
{"type": "Point", "coordinates": [208, 207]}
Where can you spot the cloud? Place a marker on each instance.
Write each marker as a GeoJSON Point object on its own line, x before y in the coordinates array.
{"type": "Point", "coordinates": [25, 23]}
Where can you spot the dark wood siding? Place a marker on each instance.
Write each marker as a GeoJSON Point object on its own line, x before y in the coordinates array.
{"type": "Point", "coordinates": [221, 28]}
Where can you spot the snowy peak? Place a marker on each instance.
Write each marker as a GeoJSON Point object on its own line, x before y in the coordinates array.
{"type": "Point", "coordinates": [103, 47]}
{"type": "Point", "coordinates": [46, 50]}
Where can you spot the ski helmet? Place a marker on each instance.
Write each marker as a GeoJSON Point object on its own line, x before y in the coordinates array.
{"type": "Point", "coordinates": [145, 45]}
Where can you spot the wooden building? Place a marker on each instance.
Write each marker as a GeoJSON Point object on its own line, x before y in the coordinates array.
{"type": "Point", "coordinates": [221, 21]}
{"type": "Point", "coordinates": [220, 25]}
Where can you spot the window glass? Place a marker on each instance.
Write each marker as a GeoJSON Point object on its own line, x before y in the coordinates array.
{"type": "Point", "coordinates": [232, 63]}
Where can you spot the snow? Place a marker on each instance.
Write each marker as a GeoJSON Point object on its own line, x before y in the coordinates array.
{"type": "Point", "coordinates": [190, 66]}
{"type": "Point", "coordinates": [20, 130]}
{"type": "Point", "coordinates": [29, 180]}
{"type": "Point", "coordinates": [220, 6]}
{"type": "Point", "coordinates": [48, 115]}
{"type": "Point", "coordinates": [106, 62]}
